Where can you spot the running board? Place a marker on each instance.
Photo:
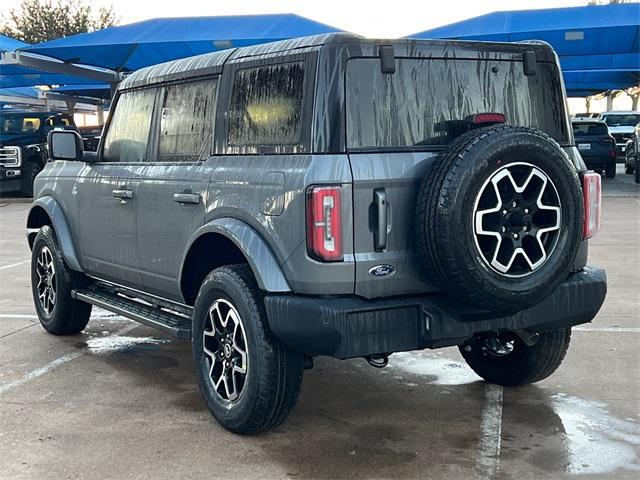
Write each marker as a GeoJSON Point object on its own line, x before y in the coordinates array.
{"type": "Point", "coordinates": [168, 322]}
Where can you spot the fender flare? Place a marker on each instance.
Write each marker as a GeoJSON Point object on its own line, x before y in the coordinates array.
{"type": "Point", "coordinates": [263, 263]}
{"type": "Point", "coordinates": [61, 227]}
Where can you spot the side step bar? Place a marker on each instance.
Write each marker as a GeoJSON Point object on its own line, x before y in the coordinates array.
{"type": "Point", "coordinates": [176, 324]}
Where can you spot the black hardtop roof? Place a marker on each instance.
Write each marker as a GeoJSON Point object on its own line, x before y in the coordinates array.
{"type": "Point", "coordinates": [212, 63]}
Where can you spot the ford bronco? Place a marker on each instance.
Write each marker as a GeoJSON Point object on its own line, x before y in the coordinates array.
{"type": "Point", "coordinates": [329, 195]}
{"type": "Point", "coordinates": [23, 140]}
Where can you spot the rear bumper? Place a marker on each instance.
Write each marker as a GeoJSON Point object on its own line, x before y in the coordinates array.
{"type": "Point", "coordinates": [347, 327]}
{"type": "Point", "coordinates": [600, 161]}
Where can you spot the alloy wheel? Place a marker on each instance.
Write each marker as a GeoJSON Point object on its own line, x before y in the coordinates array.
{"type": "Point", "coordinates": [46, 286]}
{"type": "Point", "coordinates": [516, 218]}
{"type": "Point", "coordinates": [225, 346]}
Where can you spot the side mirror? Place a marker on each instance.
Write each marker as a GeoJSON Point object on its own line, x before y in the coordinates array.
{"type": "Point", "coordinates": [64, 145]}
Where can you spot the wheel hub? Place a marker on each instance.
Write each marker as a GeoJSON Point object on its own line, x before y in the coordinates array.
{"type": "Point", "coordinates": [225, 349]}
{"type": "Point", "coordinates": [517, 217]}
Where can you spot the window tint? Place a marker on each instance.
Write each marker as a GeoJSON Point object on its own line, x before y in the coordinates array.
{"type": "Point", "coordinates": [266, 105]}
{"type": "Point", "coordinates": [186, 121]}
{"type": "Point", "coordinates": [16, 123]}
{"type": "Point", "coordinates": [426, 100]}
{"type": "Point", "coordinates": [586, 128]}
{"type": "Point", "coordinates": [622, 120]}
{"type": "Point", "coordinates": [128, 134]}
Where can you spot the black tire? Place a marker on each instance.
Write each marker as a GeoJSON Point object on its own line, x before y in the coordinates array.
{"type": "Point", "coordinates": [67, 315]}
{"type": "Point", "coordinates": [445, 225]}
{"type": "Point", "coordinates": [628, 169]}
{"type": "Point", "coordinates": [274, 372]}
{"type": "Point", "coordinates": [610, 171]}
{"type": "Point", "coordinates": [29, 173]}
{"type": "Point", "coordinates": [636, 170]}
{"type": "Point", "coordinates": [524, 365]}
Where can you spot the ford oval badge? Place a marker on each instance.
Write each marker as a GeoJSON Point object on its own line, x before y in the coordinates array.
{"type": "Point", "coordinates": [382, 270]}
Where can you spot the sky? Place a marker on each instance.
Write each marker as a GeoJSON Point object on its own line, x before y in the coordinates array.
{"type": "Point", "coordinates": [372, 18]}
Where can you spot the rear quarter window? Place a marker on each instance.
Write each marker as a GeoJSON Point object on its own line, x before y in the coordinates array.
{"type": "Point", "coordinates": [266, 106]}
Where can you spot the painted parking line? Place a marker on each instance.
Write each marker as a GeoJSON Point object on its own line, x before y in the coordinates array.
{"type": "Point", "coordinates": [38, 372]}
{"type": "Point", "coordinates": [608, 329]}
{"type": "Point", "coordinates": [14, 265]}
{"type": "Point", "coordinates": [488, 455]}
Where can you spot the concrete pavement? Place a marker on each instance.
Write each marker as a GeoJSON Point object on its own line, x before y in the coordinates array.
{"type": "Point", "coordinates": [121, 400]}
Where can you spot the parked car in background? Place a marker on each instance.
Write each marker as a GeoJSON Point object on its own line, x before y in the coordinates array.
{"type": "Point", "coordinates": [585, 115]}
{"type": "Point", "coordinates": [23, 146]}
{"type": "Point", "coordinates": [596, 145]}
{"type": "Point", "coordinates": [631, 151]}
{"type": "Point", "coordinates": [329, 195]}
{"type": "Point", "coordinates": [621, 125]}
{"type": "Point", "coordinates": [91, 137]}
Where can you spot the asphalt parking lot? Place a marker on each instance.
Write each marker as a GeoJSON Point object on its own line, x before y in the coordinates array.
{"type": "Point", "coordinates": [121, 400]}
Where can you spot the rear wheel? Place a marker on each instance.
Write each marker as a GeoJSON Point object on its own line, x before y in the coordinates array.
{"type": "Point", "coordinates": [51, 284]}
{"type": "Point", "coordinates": [249, 379]}
{"type": "Point", "coordinates": [504, 359]}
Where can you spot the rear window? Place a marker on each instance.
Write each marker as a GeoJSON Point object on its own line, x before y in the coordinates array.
{"type": "Point", "coordinates": [621, 120]}
{"type": "Point", "coordinates": [426, 100]}
{"type": "Point", "coordinates": [581, 129]}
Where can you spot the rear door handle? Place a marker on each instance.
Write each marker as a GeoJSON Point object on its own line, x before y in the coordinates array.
{"type": "Point", "coordinates": [123, 194]}
{"type": "Point", "coordinates": [380, 231]}
{"type": "Point", "coordinates": [186, 198]}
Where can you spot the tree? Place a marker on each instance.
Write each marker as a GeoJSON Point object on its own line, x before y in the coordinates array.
{"type": "Point", "coordinates": [607, 2]}
{"type": "Point", "coordinates": [35, 21]}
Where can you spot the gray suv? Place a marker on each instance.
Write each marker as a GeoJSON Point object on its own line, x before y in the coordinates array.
{"type": "Point", "coordinates": [329, 195]}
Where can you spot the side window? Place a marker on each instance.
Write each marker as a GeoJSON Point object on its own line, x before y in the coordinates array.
{"type": "Point", "coordinates": [186, 121]}
{"type": "Point", "coordinates": [128, 133]}
{"type": "Point", "coordinates": [266, 105]}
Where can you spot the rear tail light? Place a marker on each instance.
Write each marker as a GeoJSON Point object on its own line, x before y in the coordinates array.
{"type": "Point", "coordinates": [324, 223]}
{"type": "Point", "coordinates": [592, 191]}
{"type": "Point", "coordinates": [612, 153]}
{"type": "Point", "coordinates": [487, 118]}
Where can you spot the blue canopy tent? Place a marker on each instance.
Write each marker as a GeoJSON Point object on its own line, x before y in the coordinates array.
{"type": "Point", "coordinates": [598, 46]}
{"type": "Point", "coordinates": [12, 76]}
{"type": "Point", "coordinates": [130, 47]}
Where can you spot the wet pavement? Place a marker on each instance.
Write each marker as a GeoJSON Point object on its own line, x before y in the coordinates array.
{"type": "Point", "coordinates": [120, 400]}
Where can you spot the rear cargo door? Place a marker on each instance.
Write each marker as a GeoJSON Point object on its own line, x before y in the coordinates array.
{"type": "Point", "coordinates": [398, 122]}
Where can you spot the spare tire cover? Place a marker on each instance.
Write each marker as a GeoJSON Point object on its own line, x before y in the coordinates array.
{"type": "Point", "coordinates": [499, 217]}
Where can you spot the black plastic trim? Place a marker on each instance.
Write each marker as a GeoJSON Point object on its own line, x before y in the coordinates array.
{"type": "Point", "coordinates": [350, 326]}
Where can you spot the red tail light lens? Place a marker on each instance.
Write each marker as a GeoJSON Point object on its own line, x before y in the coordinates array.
{"type": "Point", "coordinates": [324, 223]}
{"type": "Point", "coordinates": [592, 191]}
{"type": "Point", "coordinates": [488, 118]}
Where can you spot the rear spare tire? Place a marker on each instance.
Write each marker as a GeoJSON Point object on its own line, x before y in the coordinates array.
{"type": "Point", "coordinates": [499, 217]}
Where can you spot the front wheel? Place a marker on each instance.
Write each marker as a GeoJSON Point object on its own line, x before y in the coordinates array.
{"type": "Point", "coordinates": [51, 284]}
{"type": "Point", "coordinates": [504, 359]}
{"type": "Point", "coordinates": [248, 378]}
{"type": "Point", "coordinates": [29, 174]}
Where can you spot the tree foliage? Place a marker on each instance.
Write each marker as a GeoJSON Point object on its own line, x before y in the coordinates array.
{"type": "Point", "coordinates": [35, 21]}
{"type": "Point", "coordinates": [607, 2]}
